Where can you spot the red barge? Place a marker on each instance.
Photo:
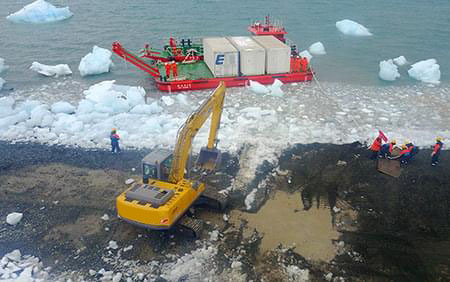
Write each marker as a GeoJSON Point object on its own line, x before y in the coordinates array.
{"type": "Point", "coordinates": [188, 65]}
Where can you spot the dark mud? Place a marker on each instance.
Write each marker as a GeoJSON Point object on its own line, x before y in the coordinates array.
{"type": "Point", "coordinates": [392, 229]}
{"type": "Point", "coordinates": [403, 224]}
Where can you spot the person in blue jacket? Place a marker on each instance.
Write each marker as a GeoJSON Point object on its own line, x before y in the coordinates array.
{"type": "Point", "coordinates": [114, 141]}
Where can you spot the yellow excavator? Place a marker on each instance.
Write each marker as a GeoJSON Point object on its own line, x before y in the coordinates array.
{"type": "Point", "coordinates": [167, 191]}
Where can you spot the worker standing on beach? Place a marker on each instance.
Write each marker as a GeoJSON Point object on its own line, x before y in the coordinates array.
{"type": "Point", "coordinates": [436, 151]}
{"type": "Point", "coordinates": [114, 141]}
{"type": "Point", "coordinates": [375, 148]}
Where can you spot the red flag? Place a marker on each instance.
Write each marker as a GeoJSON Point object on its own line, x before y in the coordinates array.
{"type": "Point", "coordinates": [382, 136]}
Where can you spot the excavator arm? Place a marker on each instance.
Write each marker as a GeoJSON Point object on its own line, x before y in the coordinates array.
{"type": "Point", "coordinates": [213, 107]}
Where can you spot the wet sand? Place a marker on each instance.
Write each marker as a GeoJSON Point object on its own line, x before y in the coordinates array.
{"type": "Point", "coordinates": [283, 220]}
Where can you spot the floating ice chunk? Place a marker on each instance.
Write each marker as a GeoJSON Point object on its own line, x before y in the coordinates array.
{"type": "Point", "coordinates": [6, 106]}
{"type": "Point", "coordinates": [353, 28]}
{"type": "Point", "coordinates": [46, 70]}
{"type": "Point", "coordinates": [62, 107]}
{"type": "Point", "coordinates": [2, 82]}
{"type": "Point", "coordinates": [153, 108]}
{"type": "Point", "coordinates": [14, 218]}
{"type": "Point", "coordinates": [426, 71]}
{"type": "Point", "coordinates": [258, 88]}
{"type": "Point", "coordinates": [96, 62]}
{"type": "Point", "coordinates": [275, 88]}
{"type": "Point", "coordinates": [400, 61]}
{"type": "Point", "coordinates": [39, 116]}
{"type": "Point", "coordinates": [167, 100]}
{"type": "Point", "coordinates": [388, 70]}
{"type": "Point", "coordinates": [317, 49]}
{"type": "Point", "coordinates": [306, 55]}
{"type": "Point", "coordinates": [182, 99]}
{"type": "Point", "coordinates": [40, 11]}
{"type": "Point", "coordinates": [3, 66]}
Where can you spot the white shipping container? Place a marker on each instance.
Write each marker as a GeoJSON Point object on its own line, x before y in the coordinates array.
{"type": "Point", "coordinates": [252, 57]}
{"type": "Point", "coordinates": [278, 54]}
{"type": "Point", "coordinates": [221, 57]}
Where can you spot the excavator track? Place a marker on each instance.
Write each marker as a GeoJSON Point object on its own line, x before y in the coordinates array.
{"type": "Point", "coordinates": [190, 226]}
{"type": "Point", "coordinates": [213, 199]}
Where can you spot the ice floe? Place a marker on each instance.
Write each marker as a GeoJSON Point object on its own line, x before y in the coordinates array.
{"type": "Point", "coordinates": [57, 70]}
{"type": "Point", "coordinates": [349, 27]}
{"type": "Point", "coordinates": [274, 89]}
{"type": "Point", "coordinates": [388, 70]}
{"type": "Point", "coordinates": [40, 11]}
{"type": "Point", "coordinates": [14, 218]}
{"type": "Point", "coordinates": [62, 107]}
{"type": "Point", "coordinates": [400, 61]}
{"type": "Point", "coordinates": [317, 49]}
{"type": "Point", "coordinates": [426, 71]}
{"type": "Point", "coordinates": [96, 62]}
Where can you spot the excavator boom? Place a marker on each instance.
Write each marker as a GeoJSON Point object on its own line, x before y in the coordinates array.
{"type": "Point", "coordinates": [211, 107]}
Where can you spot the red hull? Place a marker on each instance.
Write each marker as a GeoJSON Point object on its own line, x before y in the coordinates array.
{"type": "Point", "coordinates": [183, 85]}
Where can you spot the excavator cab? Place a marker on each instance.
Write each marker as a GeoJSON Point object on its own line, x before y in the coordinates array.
{"type": "Point", "coordinates": [156, 165]}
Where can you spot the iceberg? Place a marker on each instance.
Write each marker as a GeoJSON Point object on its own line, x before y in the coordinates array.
{"type": "Point", "coordinates": [3, 66]}
{"type": "Point", "coordinates": [388, 70]}
{"type": "Point", "coordinates": [40, 11]}
{"type": "Point", "coordinates": [426, 71]}
{"type": "Point", "coordinates": [349, 27]}
{"type": "Point", "coordinates": [96, 62]}
{"type": "Point", "coordinates": [46, 70]}
{"type": "Point", "coordinates": [317, 49]}
{"type": "Point", "coordinates": [275, 88]}
{"type": "Point", "coordinates": [400, 61]}
{"type": "Point", "coordinates": [258, 88]}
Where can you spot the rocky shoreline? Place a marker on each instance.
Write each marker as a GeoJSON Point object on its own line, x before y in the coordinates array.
{"type": "Point", "coordinates": [391, 228]}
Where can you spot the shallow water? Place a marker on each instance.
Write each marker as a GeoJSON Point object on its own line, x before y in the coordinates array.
{"type": "Point", "coordinates": [283, 220]}
{"type": "Point", "coordinates": [416, 29]}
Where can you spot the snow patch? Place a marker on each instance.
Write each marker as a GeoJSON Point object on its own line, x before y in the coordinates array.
{"type": "Point", "coordinates": [317, 49]}
{"type": "Point", "coordinates": [97, 62]}
{"type": "Point", "coordinates": [250, 199]}
{"type": "Point", "coordinates": [388, 70]}
{"type": "Point", "coordinates": [40, 11]}
{"type": "Point", "coordinates": [14, 218]}
{"type": "Point", "coordinates": [426, 71]}
{"type": "Point", "coordinates": [46, 70]}
{"type": "Point", "coordinates": [349, 27]}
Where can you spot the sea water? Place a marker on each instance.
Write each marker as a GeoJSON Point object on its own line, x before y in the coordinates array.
{"type": "Point", "coordinates": [416, 29]}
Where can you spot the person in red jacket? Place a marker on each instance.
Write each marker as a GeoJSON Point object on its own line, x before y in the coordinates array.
{"type": "Point", "coordinates": [114, 141]}
{"type": "Point", "coordinates": [375, 148]}
{"type": "Point", "coordinates": [436, 151]}
{"type": "Point", "coordinates": [404, 156]}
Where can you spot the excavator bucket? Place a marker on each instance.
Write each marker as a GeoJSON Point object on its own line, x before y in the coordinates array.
{"type": "Point", "coordinates": [209, 159]}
